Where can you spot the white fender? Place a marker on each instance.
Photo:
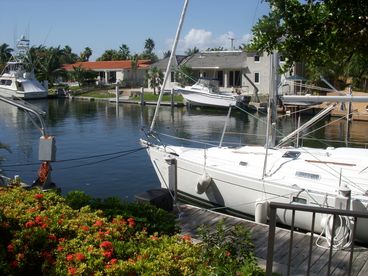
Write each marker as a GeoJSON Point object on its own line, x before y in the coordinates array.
{"type": "Point", "coordinates": [203, 182]}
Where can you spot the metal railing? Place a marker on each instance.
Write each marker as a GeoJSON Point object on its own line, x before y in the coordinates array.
{"type": "Point", "coordinates": [353, 215]}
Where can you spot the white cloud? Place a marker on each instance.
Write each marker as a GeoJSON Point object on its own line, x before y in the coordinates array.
{"type": "Point", "coordinates": [203, 39]}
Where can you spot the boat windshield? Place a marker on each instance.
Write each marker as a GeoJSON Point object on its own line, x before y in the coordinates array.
{"type": "Point", "coordinates": [212, 84]}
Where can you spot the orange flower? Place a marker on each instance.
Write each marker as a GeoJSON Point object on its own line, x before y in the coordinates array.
{"type": "Point", "coordinates": [72, 270]}
{"type": "Point", "coordinates": [29, 224]}
{"type": "Point", "coordinates": [69, 257]}
{"type": "Point", "coordinates": [80, 256]}
{"type": "Point", "coordinates": [187, 237]}
{"type": "Point", "coordinates": [84, 228]}
{"type": "Point", "coordinates": [106, 245]}
{"type": "Point", "coordinates": [98, 223]}
{"type": "Point", "coordinates": [38, 196]}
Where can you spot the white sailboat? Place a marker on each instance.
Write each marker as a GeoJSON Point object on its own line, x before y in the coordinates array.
{"type": "Point", "coordinates": [244, 179]}
{"type": "Point", "coordinates": [17, 80]}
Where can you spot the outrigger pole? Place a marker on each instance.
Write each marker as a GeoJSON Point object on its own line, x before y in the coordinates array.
{"type": "Point", "coordinates": [168, 68]}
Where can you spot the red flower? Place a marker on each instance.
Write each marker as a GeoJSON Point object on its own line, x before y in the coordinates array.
{"type": "Point", "coordinates": [84, 228]}
{"type": "Point", "coordinates": [80, 257]}
{"type": "Point", "coordinates": [106, 245]}
{"type": "Point", "coordinates": [72, 270]}
{"type": "Point", "coordinates": [228, 254]}
{"type": "Point", "coordinates": [69, 257]}
{"type": "Point", "coordinates": [53, 237]}
{"type": "Point", "coordinates": [107, 254]}
{"type": "Point", "coordinates": [61, 239]}
{"type": "Point", "coordinates": [38, 219]}
{"type": "Point", "coordinates": [154, 238]}
{"type": "Point", "coordinates": [60, 248]}
{"type": "Point", "coordinates": [14, 264]}
{"type": "Point", "coordinates": [113, 261]}
{"type": "Point", "coordinates": [38, 196]}
{"type": "Point", "coordinates": [29, 224]}
{"type": "Point", "coordinates": [10, 248]}
{"type": "Point", "coordinates": [98, 223]}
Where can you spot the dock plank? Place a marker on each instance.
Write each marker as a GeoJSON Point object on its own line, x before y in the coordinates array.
{"type": "Point", "coordinates": [191, 218]}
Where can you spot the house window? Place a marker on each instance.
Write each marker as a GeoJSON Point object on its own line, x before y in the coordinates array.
{"type": "Point", "coordinates": [220, 78]}
{"type": "Point", "coordinates": [282, 59]}
{"type": "Point", "coordinates": [234, 78]}
{"type": "Point", "coordinates": [172, 76]}
{"type": "Point", "coordinates": [256, 77]}
{"type": "Point", "coordinates": [256, 58]}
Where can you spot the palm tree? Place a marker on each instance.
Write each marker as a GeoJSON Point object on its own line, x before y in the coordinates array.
{"type": "Point", "coordinates": [5, 55]}
{"type": "Point", "coordinates": [155, 77]}
{"type": "Point", "coordinates": [167, 54]}
{"type": "Point", "coordinates": [124, 51]}
{"type": "Point", "coordinates": [85, 55]}
{"type": "Point", "coordinates": [192, 51]}
{"type": "Point", "coordinates": [149, 45]}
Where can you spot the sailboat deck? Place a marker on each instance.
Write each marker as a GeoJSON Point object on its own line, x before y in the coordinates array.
{"type": "Point", "coordinates": [192, 217]}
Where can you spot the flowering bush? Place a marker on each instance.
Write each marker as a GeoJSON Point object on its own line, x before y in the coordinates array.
{"type": "Point", "coordinates": [41, 235]}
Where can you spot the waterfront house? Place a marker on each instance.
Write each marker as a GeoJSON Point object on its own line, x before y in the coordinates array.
{"type": "Point", "coordinates": [246, 72]}
{"type": "Point", "coordinates": [117, 71]}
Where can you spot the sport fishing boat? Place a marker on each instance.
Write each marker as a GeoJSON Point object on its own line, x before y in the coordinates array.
{"type": "Point", "coordinates": [205, 92]}
{"type": "Point", "coordinates": [17, 80]}
{"type": "Point", "coordinates": [245, 179]}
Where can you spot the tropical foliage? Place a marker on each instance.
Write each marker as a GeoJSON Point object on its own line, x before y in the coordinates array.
{"type": "Point", "coordinates": [155, 78]}
{"type": "Point", "coordinates": [5, 55]}
{"type": "Point", "coordinates": [329, 36]}
{"type": "Point", "coordinates": [41, 235]}
{"type": "Point", "coordinates": [184, 76]}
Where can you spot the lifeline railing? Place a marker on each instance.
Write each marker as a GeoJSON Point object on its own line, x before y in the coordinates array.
{"type": "Point", "coordinates": [354, 215]}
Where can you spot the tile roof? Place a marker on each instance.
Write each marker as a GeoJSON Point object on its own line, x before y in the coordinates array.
{"type": "Point", "coordinates": [218, 59]}
{"type": "Point", "coordinates": [106, 65]}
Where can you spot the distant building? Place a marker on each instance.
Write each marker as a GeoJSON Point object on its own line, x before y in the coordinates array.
{"type": "Point", "coordinates": [247, 72]}
{"type": "Point", "coordinates": [111, 72]}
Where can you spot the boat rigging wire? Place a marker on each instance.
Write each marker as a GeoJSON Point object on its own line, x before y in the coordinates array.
{"type": "Point", "coordinates": [79, 158]}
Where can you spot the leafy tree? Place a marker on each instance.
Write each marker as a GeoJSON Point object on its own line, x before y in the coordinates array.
{"type": "Point", "coordinates": [124, 52]}
{"type": "Point", "coordinates": [47, 62]}
{"type": "Point", "coordinates": [149, 45]}
{"type": "Point", "coordinates": [82, 75]}
{"type": "Point", "coordinates": [167, 54]}
{"type": "Point", "coordinates": [220, 48]}
{"type": "Point", "coordinates": [67, 56]}
{"type": "Point", "coordinates": [148, 53]}
{"type": "Point", "coordinates": [327, 35]}
{"type": "Point", "coordinates": [184, 75]}
{"type": "Point", "coordinates": [85, 55]}
{"type": "Point", "coordinates": [155, 77]}
{"type": "Point", "coordinates": [190, 52]}
{"type": "Point", "coordinates": [5, 55]}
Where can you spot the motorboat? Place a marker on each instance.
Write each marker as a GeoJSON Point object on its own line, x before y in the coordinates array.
{"type": "Point", "coordinates": [17, 79]}
{"type": "Point", "coordinates": [206, 92]}
{"type": "Point", "coordinates": [245, 179]}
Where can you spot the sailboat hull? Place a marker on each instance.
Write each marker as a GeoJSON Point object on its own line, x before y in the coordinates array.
{"type": "Point", "coordinates": [239, 187]}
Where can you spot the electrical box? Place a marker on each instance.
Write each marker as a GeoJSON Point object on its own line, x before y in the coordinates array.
{"type": "Point", "coordinates": [47, 148]}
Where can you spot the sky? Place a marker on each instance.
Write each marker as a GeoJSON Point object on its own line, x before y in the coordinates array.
{"type": "Point", "coordinates": [107, 24]}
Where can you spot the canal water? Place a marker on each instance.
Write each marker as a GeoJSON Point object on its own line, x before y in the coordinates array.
{"type": "Point", "coordinates": [98, 148]}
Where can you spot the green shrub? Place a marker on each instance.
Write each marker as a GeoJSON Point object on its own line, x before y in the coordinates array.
{"type": "Point", "coordinates": [147, 216]}
{"type": "Point", "coordinates": [44, 236]}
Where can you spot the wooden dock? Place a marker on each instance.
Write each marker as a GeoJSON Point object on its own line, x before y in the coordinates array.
{"type": "Point", "coordinates": [191, 217]}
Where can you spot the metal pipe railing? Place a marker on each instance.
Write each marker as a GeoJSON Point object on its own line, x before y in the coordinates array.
{"type": "Point", "coordinates": [314, 210]}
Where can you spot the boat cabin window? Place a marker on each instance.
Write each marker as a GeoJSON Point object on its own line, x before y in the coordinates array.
{"type": "Point", "coordinates": [242, 163]}
{"type": "Point", "coordinates": [6, 82]}
{"type": "Point", "coordinates": [291, 154]}
{"type": "Point", "coordinates": [299, 200]}
{"type": "Point", "coordinates": [311, 176]}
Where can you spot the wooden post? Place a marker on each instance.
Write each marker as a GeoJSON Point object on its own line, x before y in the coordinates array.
{"type": "Point", "coordinates": [117, 94]}
{"type": "Point", "coordinates": [142, 96]}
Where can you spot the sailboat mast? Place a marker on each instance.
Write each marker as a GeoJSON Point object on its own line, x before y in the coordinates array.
{"type": "Point", "coordinates": [168, 68]}
{"type": "Point", "coordinates": [273, 98]}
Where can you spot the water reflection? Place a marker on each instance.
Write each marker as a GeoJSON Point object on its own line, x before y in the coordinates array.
{"type": "Point", "coordinates": [84, 128]}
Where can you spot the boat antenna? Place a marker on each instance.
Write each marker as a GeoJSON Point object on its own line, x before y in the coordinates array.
{"type": "Point", "coordinates": [168, 68]}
